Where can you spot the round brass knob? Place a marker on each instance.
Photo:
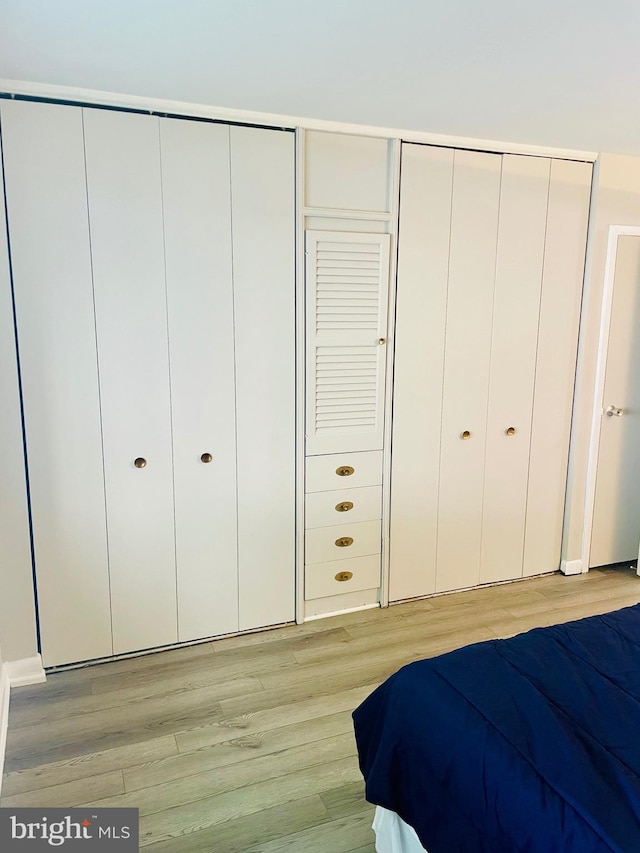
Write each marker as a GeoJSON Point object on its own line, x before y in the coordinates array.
{"type": "Point", "coordinates": [382, 341]}
{"type": "Point", "coordinates": [206, 457]}
{"type": "Point", "coordinates": [139, 462]}
{"type": "Point", "coordinates": [465, 435]}
{"type": "Point", "coordinates": [345, 471]}
{"type": "Point", "coordinates": [345, 506]}
{"type": "Point", "coordinates": [344, 576]}
{"type": "Point", "coordinates": [344, 541]}
{"type": "Point", "coordinates": [510, 431]}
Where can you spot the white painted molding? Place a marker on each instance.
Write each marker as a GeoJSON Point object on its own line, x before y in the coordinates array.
{"type": "Point", "coordinates": [342, 612]}
{"type": "Point", "coordinates": [114, 99]}
{"type": "Point", "coordinates": [572, 567]}
{"type": "Point", "coordinates": [4, 716]}
{"type": "Point", "coordinates": [615, 231]}
{"type": "Point", "coordinates": [25, 671]}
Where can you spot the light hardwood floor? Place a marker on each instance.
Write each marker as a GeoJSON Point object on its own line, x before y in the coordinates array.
{"type": "Point", "coordinates": [245, 744]}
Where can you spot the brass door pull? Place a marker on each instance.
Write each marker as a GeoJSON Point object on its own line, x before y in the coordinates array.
{"type": "Point", "coordinates": [465, 435]}
{"type": "Point", "coordinates": [344, 576]}
{"type": "Point", "coordinates": [206, 457]}
{"type": "Point", "coordinates": [345, 506]}
{"type": "Point", "coordinates": [345, 471]}
{"type": "Point", "coordinates": [139, 462]}
{"type": "Point", "coordinates": [344, 541]}
{"type": "Point", "coordinates": [510, 431]}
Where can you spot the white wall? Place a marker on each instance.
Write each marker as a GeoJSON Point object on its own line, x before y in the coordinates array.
{"type": "Point", "coordinates": [17, 611]}
{"type": "Point", "coordinates": [549, 73]}
{"type": "Point", "coordinates": [615, 201]}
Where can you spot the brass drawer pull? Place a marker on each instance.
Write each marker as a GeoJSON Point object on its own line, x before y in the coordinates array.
{"type": "Point", "coordinates": [510, 431]}
{"type": "Point", "coordinates": [344, 541]}
{"type": "Point", "coordinates": [465, 435]}
{"type": "Point", "coordinates": [345, 471]}
{"type": "Point", "coordinates": [344, 576]}
{"type": "Point", "coordinates": [140, 462]}
{"type": "Point", "coordinates": [345, 506]}
{"type": "Point", "coordinates": [206, 457]}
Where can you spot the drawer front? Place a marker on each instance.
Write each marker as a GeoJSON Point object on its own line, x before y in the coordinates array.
{"type": "Point", "coordinates": [323, 509]}
{"type": "Point", "coordinates": [320, 544]}
{"type": "Point", "coordinates": [343, 471]}
{"type": "Point", "coordinates": [323, 579]}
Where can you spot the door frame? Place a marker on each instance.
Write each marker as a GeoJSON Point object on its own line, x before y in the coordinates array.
{"type": "Point", "coordinates": [615, 231]}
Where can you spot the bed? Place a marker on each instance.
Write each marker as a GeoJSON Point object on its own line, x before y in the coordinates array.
{"type": "Point", "coordinates": [527, 744]}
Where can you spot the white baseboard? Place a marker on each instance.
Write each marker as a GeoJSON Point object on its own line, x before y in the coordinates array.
{"type": "Point", "coordinates": [571, 567]}
{"type": "Point", "coordinates": [25, 671]}
{"type": "Point", "coordinates": [4, 715]}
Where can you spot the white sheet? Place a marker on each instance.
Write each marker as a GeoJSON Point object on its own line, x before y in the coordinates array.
{"type": "Point", "coordinates": [393, 835]}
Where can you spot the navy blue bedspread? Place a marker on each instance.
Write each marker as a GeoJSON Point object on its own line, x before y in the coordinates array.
{"type": "Point", "coordinates": [526, 744]}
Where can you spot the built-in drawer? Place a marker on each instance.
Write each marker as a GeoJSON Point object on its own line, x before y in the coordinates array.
{"type": "Point", "coordinates": [342, 541]}
{"type": "Point", "coordinates": [343, 470]}
{"type": "Point", "coordinates": [323, 509]}
{"type": "Point", "coordinates": [338, 577]}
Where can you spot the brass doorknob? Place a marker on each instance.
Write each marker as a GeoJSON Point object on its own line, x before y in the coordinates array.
{"type": "Point", "coordinates": [465, 435]}
{"type": "Point", "coordinates": [382, 341]}
{"type": "Point", "coordinates": [345, 471]}
{"type": "Point", "coordinates": [345, 506]}
{"type": "Point", "coordinates": [139, 462]}
{"type": "Point", "coordinates": [206, 457]}
{"type": "Point", "coordinates": [510, 431]}
{"type": "Point", "coordinates": [344, 541]}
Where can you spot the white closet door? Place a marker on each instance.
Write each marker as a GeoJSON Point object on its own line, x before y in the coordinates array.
{"type": "Point", "coordinates": [125, 215]}
{"type": "Point", "coordinates": [567, 219]}
{"type": "Point", "coordinates": [423, 260]}
{"type": "Point", "coordinates": [474, 226]}
{"type": "Point", "coordinates": [262, 183]}
{"type": "Point", "coordinates": [47, 207]}
{"type": "Point", "coordinates": [347, 284]}
{"type": "Point", "coordinates": [197, 228]}
{"type": "Point", "coordinates": [516, 308]}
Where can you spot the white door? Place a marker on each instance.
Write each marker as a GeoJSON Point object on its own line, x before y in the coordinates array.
{"type": "Point", "coordinates": [197, 215]}
{"type": "Point", "coordinates": [127, 250]}
{"type": "Point", "coordinates": [51, 260]}
{"type": "Point", "coordinates": [472, 258]}
{"type": "Point", "coordinates": [347, 292]}
{"type": "Point", "coordinates": [262, 206]}
{"type": "Point", "coordinates": [616, 516]}
{"type": "Point", "coordinates": [516, 307]}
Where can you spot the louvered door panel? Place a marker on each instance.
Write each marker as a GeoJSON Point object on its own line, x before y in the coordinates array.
{"type": "Point", "coordinates": [347, 291]}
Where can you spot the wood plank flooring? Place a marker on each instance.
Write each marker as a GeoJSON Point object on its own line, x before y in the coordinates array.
{"type": "Point", "coordinates": [245, 744]}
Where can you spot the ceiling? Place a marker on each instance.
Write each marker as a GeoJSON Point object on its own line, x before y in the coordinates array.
{"type": "Point", "coordinates": [555, 72]}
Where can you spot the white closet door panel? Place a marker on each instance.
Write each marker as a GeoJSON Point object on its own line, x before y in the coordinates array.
{"type": "Point", "coordinates": [516, 308]}
{"type": "Point", "coordinates": [347, 283]}
{"type": "Point", "coordinates": [125, 214]}
{"type": "Point", "coordinates": [563, 271]}
{"type": "Point", "coordinates": [262, 184]}
{"type": "Point", "coordinates": [474, 225]}
{"type": "Point", "coordinates": [47, 205]}
{"type": "Point", "coordinates": [197, 227]}
{"type": "Point", "coordinates": [17, 612]}
{"type": "Point", "coordinates": [423, 260]}
{"type": "Point", "coordinates": [616, 520]}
